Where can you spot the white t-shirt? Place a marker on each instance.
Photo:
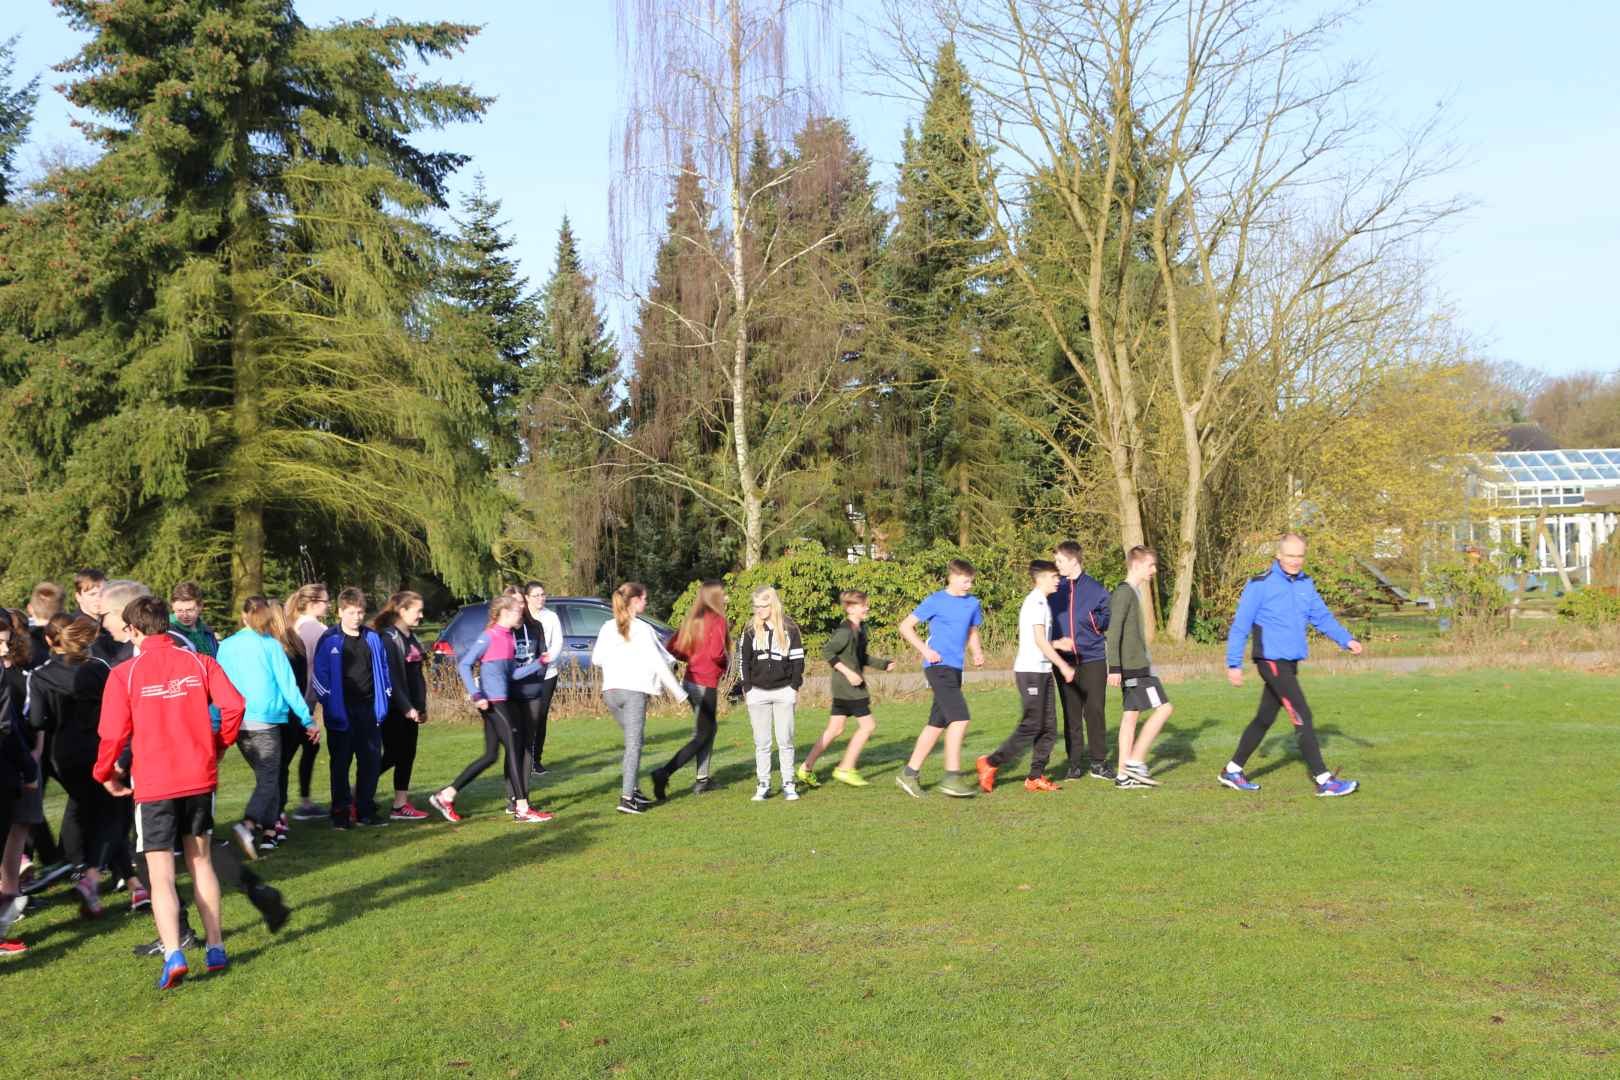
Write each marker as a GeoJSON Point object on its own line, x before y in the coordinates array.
{"type": "Point", "coordinates": [1032, 613]}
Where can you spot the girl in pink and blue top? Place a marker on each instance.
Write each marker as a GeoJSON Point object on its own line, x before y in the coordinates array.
{"type": "Point", "coordinates": [494, 654]}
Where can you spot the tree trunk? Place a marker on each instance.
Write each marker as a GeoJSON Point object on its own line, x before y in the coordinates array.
{"type": "Point", "coordinates": [1187, 547]}
{"type": "Point", "coordinates": [248, 539]}
{"type": "Point", "coordinates": [963, 488]}
{"type": "Point", "coordinates": [752, 504]}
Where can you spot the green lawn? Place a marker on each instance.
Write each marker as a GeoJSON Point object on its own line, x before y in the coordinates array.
{"type": "Point", "coordinates": [1456, 918]}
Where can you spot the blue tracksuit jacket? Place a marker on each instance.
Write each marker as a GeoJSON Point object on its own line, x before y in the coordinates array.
{"type": "Point", "coordinates": [1275, 609]}
{"type": "Point", "coordinates": [327, 676]}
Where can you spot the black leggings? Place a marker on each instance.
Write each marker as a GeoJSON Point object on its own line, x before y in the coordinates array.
{"type": "Point", "coordinates": [399, 737]}
{"type": "Point", "coordinates": [499, 734]}
{"type": "Point", "coordinates": [1282, 691]}
{"type": "Point", "coordinates": [536, 714]}
{"type": "Point", "coordinates": [96, 839]}
{"type": "Point", "coordinates": [1084, 710]}
{"type": "Point", "coordinates": [293, 737]}
{"type": "Point", "coordinates": [705, 700]}
{"type": "Point", "coordinates": [306, 768]}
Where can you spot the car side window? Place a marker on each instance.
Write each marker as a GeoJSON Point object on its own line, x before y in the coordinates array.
{"type": "Point", "coordinates": [585, 620]}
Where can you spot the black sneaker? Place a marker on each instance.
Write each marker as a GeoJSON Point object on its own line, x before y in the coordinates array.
{"type": "Point", "coordinates": [660, 785]}
{"type": "Point", "coordinates": [342, 821]}
{"type": "Point", "coordinates": [1126, 781]}
{"type": "Point", "coordinates": [641, 798]}
{"type": "Point", "coordinates": [703, 785]}
{"type": "Point", "coordinates": [267, 900]}
{"type": "Point", "coordinates": [539, 770]}
{"type": "Point", "coordinates": [1100, 771]}
{"type": "Point", "coordinates": [188, 940]}
{"type": "Point", "coordinates": [312, 812]}
{"type": "Point", "coordinates": [1075, 773]}
{"type": "Point", "coordinates": [628, 805]}
{"type": "Point", "coordinates": [375, 821]}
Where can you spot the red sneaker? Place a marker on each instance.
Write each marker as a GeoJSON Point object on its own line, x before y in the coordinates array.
{"type": "Point", "coordinates": [447, 809]}
{"type": "Point", "coordinates": [533, 816]}
{"type": "Point", "coordinates": [987, 774]}
{"type": "Point", "coordinates": [139, 899]}
{"type": "Point", "coordinates": [12, 947]}
{"type": "Point", "coordinates": [407, 813]}
{"type": "Point", "coordinates": [1041, 783]}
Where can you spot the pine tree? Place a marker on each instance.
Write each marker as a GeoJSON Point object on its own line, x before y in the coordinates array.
{"type": "Point", "coordinates": [16, 114]}
{"type": "Point", "coordinates": [232, 344]}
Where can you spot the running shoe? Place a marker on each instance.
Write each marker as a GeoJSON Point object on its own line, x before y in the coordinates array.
{"type": "Point", "coordinates": [310, 812]}
{"type": "Point", "coordinates": [1126, 781]}
{"type": "Point", "coordinates": [266, 842]}
{"type": "Point", "coordinates": [704, 785]}
{"type": "Point", "coordinates": [89, 891]}
{"type": "Point", "coordinates": [216, 961]}
{"type": "Point", "coordinates": [660, 781]}
{"type": "Point", "coordinates": [806, 777]}
{"type": "Point", "coordinates": [1237, 781]}
{"type": "Point", "coordinates": [1141, 773]}
{"type": "Point", "coordinates": [761, 792]}
{"type": "Point", "coordinates": [790, 793]}
{"type": "Point", "coordinates": [342, 821]}
{"type": "Point", "coordinates": [12, 947]}
{"type": "Point", "coordinates": [174, 969]}
{"type": "Point", "coordinates": [407, 813]}
{"type": "Point", "coordinates": [1041, 783]}
{"type": "Point", "coordinates": [1333, 787]}
{"type": "Point", "coordinates": [10, 911]}
{"type": "Point", "coordinates": [958, 787]}
{"type": "Point", "coordinates": [511, 807]}
{"type": "Point", "coordinates": [267, 901]}
{"type": "Point", "coordinates": [911, 785]}
{"type": "Point", "coordinates": [375, 821]}
{"type": "Point", "coordinates": [139, 899]}
{"type": "Point", "coordinates": [447, 809]}
{"type": "Point", "coordinates": [627, 805]}
{"type": "Point", "coordinates": [1075, 773]}
{"type": "Point", "coordinates": [354, 814]}
{"type": "Point", "coordinates": [641, 798]}
{"type": "Point", "coordinates": [538, 771]}
{"type": "Point", "coordinates": [852, 777]}
{"type": "Point", "coordinates": [1100, 771]}
{"type": "Point", "coordinates": [987, 774]}
{"type": "Point", "coordinates": [45, 877]}
{"type": "Point", "coordinates": [531, 816]}
{"type": "Point", "coordinates": [188, 940]}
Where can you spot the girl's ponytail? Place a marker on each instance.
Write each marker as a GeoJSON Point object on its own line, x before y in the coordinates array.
{"type": "Point", "coordinates": [621, 605]}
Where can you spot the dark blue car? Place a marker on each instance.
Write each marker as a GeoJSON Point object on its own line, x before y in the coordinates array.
{"type": "Point", "coordinates": [581, 617]}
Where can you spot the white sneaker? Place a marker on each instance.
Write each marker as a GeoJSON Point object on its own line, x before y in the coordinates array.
{"type": "Point", "coordinates": [790, 793]}
{"type": "Point", "coordinates": [1140, 773]}
{"type": "Point", "coordinates": [762, 792]}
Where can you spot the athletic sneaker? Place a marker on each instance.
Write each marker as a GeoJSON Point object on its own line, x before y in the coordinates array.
{"type": "Point", "coordinates": [281, 829]}
{"type": "Point", "coordinates": [641, 799]}
{"type": "Point", "coordinates": [242, 834]}
{"type": "Point", "coordinates": [174, 969]}
{"type": "Point", "coordinates": [447, 809]}
{"type": "Point", "coordinates": [266, 843]}
{"type": "Point", "coordinates": [188, 940]}
{"type": "Point", "coordinates": [762, 791]}
{"type": "Point", "coordinates": [511, 807]}
{"type": "Point", "coordinates": [704, 785]}
{"type": "Point", "coordinates": [375, 821]}
{"type": "Point", "coordinates": [407, 813]}
{"type": "Point", "coordinates": [627, 805]}
{"type": "Point", "coordinates": [45, 878]}
{"type": "Point", "coordinates": [958, 787]}
{"type": "Point", "coordinates": [309, 812]}
{"type": "Point", "coordinates": [1333, 787]}
{"type": "Point", "coordinates": [139, 899]}
{"type": "Point", "coordinates": [987, 774]}
{"type": "Point", "coordinates": [89, 895]}
{"type": "Point", "coordinates": [216, 960]}
{"type": "Point", "coordinates": [266, 900]}
{"type": "Point", "coordinates": [10, 912]}
{"type": "Point", "coordinates": [852, 777]}
{"type": "Point", "coordinates": [911, 785]}
{"type": "Point", "coordinates": [1141, 773]}
{"type": "Point", "coordinates": [342, 822]}
{"type": "Point", "coordinates": [12, 947]}
{"type": "Point", "coordinates": [538, 771]}
{"type": "Point", "coordinates": [531, 816]}
{"type": "Point", "coordinates": [1075, 773]}
{"type": "Point", "coordinates": [1100, 771]}
{"type": "Point", "coordinates": [660, 781]}
{"type": "Point", "coordinates": [1041, 783]}
{"type": "Point", "coordinates": [1237, 781]}
{"type": "Point", "coordinates": [790, 793]}
{"type": "Point", "coordinates": [806, 777]}
{"type": "Point", "coordinates": [1126, 781]}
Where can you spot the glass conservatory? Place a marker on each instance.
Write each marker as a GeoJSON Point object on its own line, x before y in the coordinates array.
{"type": "Point", "coordinates": [1578, 492]}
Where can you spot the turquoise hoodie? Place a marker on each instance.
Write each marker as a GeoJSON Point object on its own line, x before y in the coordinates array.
{"type": "Point", "coordinates": [257, 666]}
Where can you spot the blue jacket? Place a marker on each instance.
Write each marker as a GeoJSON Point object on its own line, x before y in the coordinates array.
{"type": "Point", "coordinates": [326, 676]}
{"type": "Point", "coordinates": [257, 666]}
{"type": "Point", "coordinates": [1275, 608]}
{"type": "Point", "coordinates": [1090, 616]}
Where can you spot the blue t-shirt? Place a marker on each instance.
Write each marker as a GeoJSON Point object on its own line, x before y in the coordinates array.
{"type": "Point", "coordinates": [949, 619]}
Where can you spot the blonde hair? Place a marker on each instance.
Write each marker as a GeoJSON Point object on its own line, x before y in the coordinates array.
{"type": "Point", "coordinates": [302, 597]}
{"type": "Point", "coordinates": [502, 603]}
{"type": "Point", "coordinates": [695, 627]}
{"type": "Point", "coordinates": [621, 605]}
{"type": "Point", "coordinates": [775, 616]}
{"type": "Point", "coordinates": [260, 615]}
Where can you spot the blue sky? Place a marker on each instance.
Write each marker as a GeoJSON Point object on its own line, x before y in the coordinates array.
{"type": "Point", "coordinates": [1533, 100]}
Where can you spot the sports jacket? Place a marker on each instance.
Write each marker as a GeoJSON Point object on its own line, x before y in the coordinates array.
{"type": "Point", "coordinates": [774, 661]}
{"type": "Point", "coordinates": [326, 676]}
{"type": "Point", "coordinates": [1080, 611]}
{"type": "Point", "coordinates": [1275, 608]}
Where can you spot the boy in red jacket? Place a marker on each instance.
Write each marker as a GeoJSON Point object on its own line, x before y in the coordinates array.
{"type": "Point", "coordinates": [157, 704]}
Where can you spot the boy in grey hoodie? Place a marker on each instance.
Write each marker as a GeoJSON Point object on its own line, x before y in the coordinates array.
{"type": "Point", "coordinates": [1130, 667]}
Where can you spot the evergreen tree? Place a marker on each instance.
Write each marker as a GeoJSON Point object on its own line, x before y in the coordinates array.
{"type": "Point", "coordinates": [230, 343]}
{"type": "Point", "coordinates": [16, 113]}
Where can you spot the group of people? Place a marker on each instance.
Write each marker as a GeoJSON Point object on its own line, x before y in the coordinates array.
{"type": "Point", "coordinates": [128, 702]}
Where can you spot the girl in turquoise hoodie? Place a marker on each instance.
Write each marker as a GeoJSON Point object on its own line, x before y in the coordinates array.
{"type": "Point", "coordinates": [255, 661]}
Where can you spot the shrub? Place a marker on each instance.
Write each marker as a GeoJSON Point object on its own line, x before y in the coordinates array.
{"type": "Point", "coordinates": [1593, 605]}
{"type": "Point", "coordinates": [1471, 589]}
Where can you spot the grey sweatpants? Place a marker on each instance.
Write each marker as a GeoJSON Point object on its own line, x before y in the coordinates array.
{"type": "Point", "coordinates": [629, 708]}
{"type": "Point", "coordinates": [770, 712]}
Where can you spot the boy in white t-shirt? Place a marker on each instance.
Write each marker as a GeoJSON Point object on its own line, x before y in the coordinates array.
{"type": "Point", "coordinates": [1032, 672]}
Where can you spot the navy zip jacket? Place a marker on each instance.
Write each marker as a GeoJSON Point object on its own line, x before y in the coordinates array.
{"type": "Point", "coordinates": [1275, 608]}
{"type": "Point", "coordinates": [327, 675]}
{"type": "Point", "coordinates": [1089, 616]}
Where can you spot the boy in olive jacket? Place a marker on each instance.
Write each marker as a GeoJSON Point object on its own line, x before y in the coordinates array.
{"type": "Point", "coordinates": [846, 652]}
{"type": "Point", "coordinates": [1131, 668]}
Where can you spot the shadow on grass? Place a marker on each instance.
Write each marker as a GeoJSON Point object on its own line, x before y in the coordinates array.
{"type": "Point", "coordinates": [1176, 745]}
{"type": "Point", "coordinates": [1286, 746]}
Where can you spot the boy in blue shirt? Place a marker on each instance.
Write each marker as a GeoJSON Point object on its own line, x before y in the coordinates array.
{"type": "Point", "coordinates": [953, 618]}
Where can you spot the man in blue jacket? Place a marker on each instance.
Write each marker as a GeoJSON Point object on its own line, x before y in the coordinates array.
{"type": "Point", "coordinates": [1275, 609]}
{"type": "Point", "coordinates": [1079, 617]}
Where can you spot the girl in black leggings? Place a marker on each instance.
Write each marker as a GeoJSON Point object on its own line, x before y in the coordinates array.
{"type": "Point", "coordinates": [407, 710]}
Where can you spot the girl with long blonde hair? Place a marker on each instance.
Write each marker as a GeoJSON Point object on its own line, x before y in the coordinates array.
{"type": "Point", "coordinates": [304, 614]}
{"type": "Point", "coordinates": [770, 667]}
{"type": "Point", "coordinates": [633, 668]}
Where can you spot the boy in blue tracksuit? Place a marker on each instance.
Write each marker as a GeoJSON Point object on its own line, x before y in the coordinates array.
{"type": "Point", "coordinates": [350, 678]}
{"type": "Point", "coordinates": [1079, 622]}
{"type": "Point", "coordinates": [1275, 609]}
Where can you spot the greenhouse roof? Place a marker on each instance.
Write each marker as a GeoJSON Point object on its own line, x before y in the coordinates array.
{"type": "Point", "coordinates": [1558, 466]}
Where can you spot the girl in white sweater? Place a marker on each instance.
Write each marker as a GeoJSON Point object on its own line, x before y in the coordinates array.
{"type": "Point", "coordinates": [633, 668]}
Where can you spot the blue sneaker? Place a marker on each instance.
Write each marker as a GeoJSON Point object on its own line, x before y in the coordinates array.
{"type": "Point", "coordinates": [174, 969]}
{"type": "Point", "coordinates": [1237, 781]}
{"type": "Point", "coordinates": [1333, 786]}
{"type": "Point", "coordinates": [216, 959]}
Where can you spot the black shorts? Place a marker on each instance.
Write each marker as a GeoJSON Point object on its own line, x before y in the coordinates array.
{"type": "Point", "coordinates": [851, 707]}
{"type": "Point", "coordinates": [1144, 694]}
{"type": "Point", "coordinates": [950, 707]}
{"type": "Point", "coordinates": [160, 825]}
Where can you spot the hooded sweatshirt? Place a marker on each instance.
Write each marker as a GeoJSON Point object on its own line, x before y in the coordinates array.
{"type": "Point", "coordinates": [258, 667]}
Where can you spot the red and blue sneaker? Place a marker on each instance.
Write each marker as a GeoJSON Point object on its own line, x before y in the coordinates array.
{"type": "Point", "coordinates": [174, 969]}
{"type": "Point", "coordinates": [1234, 779]}
{"type": "Point", "coordinates": [216, 959]}
{"type": "Point", "coordinates": [1333, 787]}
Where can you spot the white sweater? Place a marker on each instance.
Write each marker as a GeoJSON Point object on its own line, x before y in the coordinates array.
{"type": "Point", "coordinates": [637, 664]}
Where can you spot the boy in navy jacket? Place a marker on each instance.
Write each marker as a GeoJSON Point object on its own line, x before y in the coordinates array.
{"type": "Point", "coordinates": [351, 680]}
{"type": "Point", "coordinates": [1079, 620]}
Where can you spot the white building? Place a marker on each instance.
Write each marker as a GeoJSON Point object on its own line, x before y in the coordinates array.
{"type": "Point", "coordinates": [1578, 490]}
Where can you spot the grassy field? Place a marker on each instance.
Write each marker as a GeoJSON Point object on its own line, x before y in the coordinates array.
{"type": "Point", "coordinates": [1454, 919]}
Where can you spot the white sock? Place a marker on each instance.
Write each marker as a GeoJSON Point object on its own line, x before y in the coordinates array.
{"type": "Point", "coordinates": [1136, 764]}
{"type": "Point", "coordinates": [1232, 766]}
{"type": "Point", "coordinates": [1324, 778]}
